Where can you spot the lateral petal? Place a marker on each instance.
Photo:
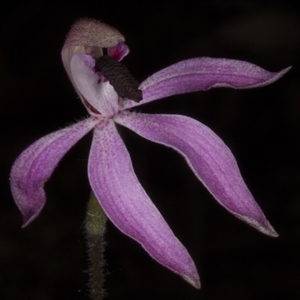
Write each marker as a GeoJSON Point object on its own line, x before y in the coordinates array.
{"type": "Point", "coordinates": [127, 205]}
{"type": "Point", "coordinates": [199, 74]}
{"type": "Point", "coordinates": [209, 158]}
{"type": "Point", "coordinates": [35, 165]}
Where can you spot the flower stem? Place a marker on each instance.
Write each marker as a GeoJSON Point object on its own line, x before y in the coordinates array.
{"type": "Point", "coordinates": [95, 229]}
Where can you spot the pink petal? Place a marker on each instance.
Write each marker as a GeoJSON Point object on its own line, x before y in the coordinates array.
{"type": "Point", "coordinates": [198, 74]}
{"type": "Point", "coordinates": [35, 165]}
{"type": "Point", "coordinates": [209, 158]}
{"type": "Point", "coordinates": [127, 205]}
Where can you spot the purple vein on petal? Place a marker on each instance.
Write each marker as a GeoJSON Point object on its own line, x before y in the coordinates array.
{"type": "Point", "coordinates": [209, 158]}
{"type": "Point", "coordinates": [35, 165]}
{"type": "Point", "coordinates": [127, 205]}
{"type": "Point", "coordinates": [199, 74]}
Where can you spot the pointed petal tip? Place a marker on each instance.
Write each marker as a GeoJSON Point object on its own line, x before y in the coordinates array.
{"type": "Point", "coordinates": [263, 226]}
{"type": "Point", "coordinates": [185, 268]}
{"type": "Point", "coordinates": [25, 223]}
{"type": "Point", "coordinates": [27, 220]}
{"type": "Point", "coordinates": [286, 70]}
{"type": "Point", "coordinates": [270, 231]}
{"type": "Point", "coordinates": [30, 214]}
{"type": "Point", "coordinates": [281, 73]}
{"type": "Point", "coordinates": [193, 280]}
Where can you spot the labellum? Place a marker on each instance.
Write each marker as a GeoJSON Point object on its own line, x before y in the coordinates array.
{"type": "Point", "coordinates": [119, 77]}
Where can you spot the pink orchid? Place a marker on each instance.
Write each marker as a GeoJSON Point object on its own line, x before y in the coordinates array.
{"type": "Point", "coordinates": [110, 170]}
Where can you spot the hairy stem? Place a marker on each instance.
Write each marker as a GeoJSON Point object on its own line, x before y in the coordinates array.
{"type": "Point", "coordinates": [95, 229]}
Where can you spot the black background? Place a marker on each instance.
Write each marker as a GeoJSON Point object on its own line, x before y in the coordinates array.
{"type": "Point", "coordinates": [47, 259]}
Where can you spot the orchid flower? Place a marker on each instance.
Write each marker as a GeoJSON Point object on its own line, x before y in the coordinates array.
{"type": "Point", "coordinates": [110, 170]}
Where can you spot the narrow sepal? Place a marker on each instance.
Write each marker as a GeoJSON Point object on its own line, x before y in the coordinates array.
{"type": "Point", "coordinates": [209, 158]}
{"type": "Point", "coordinates": [127, 205]}
{"type": "Point", "coordinates": [35, 165]}
{"type": "Point", "coordinates": [199, 74]}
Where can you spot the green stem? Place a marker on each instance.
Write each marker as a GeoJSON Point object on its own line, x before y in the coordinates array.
{"type": "Point", "coordinates": [95, 229]}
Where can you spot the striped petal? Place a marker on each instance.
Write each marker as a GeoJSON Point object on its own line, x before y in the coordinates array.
{"type": "Point", "coordinates": [127, 205]}
{"type": "Point", "coordinates": [35, 165]}
{"type": "Point", "coordinates": [199, 74]}
{"type": "Point", "coordinates": [209, 158]}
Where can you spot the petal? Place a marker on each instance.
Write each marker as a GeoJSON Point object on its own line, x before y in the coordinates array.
{"type": "Point", "coordinates": [35, 165]}
{"type": "Point", "coordinates": [96, 90]}
{"type": "Point", "coordinates": [209, 158]}
{"type": "Point", "coordinates": [198, 74]}
{"type": "Point", "coordinates": [127, 205]}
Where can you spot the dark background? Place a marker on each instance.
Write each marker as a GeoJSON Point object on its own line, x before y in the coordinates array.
{"type": "Point", "coordinates": [47, 259]}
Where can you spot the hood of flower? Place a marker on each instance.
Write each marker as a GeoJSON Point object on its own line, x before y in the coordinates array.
{"type": "Point", "coordinates": [85, 43]}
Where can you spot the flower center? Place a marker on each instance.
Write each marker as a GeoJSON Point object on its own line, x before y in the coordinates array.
{"type": "Point", "coordinates": [125, 85]}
